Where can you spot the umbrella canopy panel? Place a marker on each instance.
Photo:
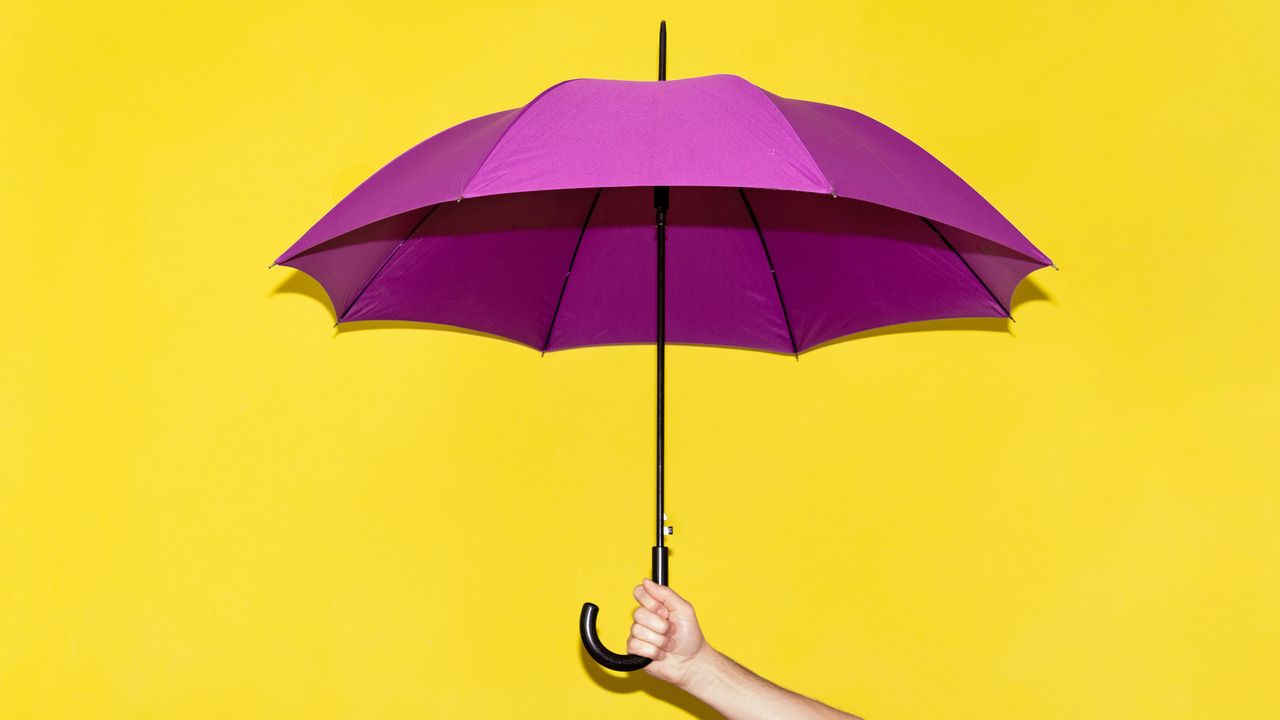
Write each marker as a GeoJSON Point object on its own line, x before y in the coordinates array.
{"type": "Point", "coordinates": [714, 131]}
{"type": "Point", "coordinates": [772, 270]}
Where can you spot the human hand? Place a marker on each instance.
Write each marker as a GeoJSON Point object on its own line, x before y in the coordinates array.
{"type": "Point", "coordinates": [666, 630]}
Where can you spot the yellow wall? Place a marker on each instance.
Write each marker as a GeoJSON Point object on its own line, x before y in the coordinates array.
{"type": "Point", "coordinates": [213, 506]}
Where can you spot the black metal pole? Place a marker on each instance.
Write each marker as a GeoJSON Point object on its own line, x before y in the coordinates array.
{"type": "Point", "coordinates": [661, 199]}
{"type": "Point", "coordinates": [661, 227]}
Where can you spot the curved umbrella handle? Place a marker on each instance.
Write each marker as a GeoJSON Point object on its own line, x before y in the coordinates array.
{"type": "Point", "coordinates": [597, 650]}
{"type": "Point", "coordinates": [591, 639]}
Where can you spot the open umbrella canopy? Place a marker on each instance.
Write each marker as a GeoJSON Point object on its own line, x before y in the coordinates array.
{"type": "Point", "coordinates": [791, 223]}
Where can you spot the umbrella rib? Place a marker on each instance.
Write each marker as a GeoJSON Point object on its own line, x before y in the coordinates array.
{"type": "Point", "coordinates": [386, 260]}
{"type": "Point", "coordinates": [572, 258]}
{"type": "Point", "coordinates": [769, 259]}
{"type": "Point", "coordinates": [969, 267]}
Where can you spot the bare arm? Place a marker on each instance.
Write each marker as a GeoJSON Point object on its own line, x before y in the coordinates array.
{"type": "Point", "coordinates": [666, 630]}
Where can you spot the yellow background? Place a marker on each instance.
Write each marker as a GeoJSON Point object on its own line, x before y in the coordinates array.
{"type": "Point", "coordinates": [214, 506]}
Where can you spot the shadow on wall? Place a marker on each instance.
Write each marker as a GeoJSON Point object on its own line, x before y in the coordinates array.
{"type": "Point", "coordinates": [299, 283]}
{"type": "Point", "coordinates": [642, 682]}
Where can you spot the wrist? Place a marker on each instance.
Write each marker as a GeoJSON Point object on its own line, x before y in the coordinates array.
{"type": "Point", "coordinates": [703, 671]}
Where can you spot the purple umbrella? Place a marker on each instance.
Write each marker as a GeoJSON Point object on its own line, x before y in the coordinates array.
{"type": "Point", "coordinates": [791, 223]}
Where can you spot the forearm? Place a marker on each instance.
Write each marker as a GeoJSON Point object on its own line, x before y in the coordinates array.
{"type": "Point", "coordinates": [739, 694]}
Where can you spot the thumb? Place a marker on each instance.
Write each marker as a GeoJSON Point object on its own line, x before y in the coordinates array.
{"type": "Point", "coordinates": [666, 596]}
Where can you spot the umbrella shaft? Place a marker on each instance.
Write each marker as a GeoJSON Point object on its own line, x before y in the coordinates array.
{"type": "Point", "coordinates": [660, 222]}
{"type": "Point", "coordinates": [661, 199]}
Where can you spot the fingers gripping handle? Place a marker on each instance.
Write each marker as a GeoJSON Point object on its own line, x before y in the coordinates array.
{"type": "Point", "coordinates": [591, 639]}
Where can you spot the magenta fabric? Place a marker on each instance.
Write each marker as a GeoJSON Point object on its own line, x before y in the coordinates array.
{"type": "Point", "coordinates": [791, 223]}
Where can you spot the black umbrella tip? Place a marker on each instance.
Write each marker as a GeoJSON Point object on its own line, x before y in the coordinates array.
{"type": "Point", "coordinates": [662, 50]}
